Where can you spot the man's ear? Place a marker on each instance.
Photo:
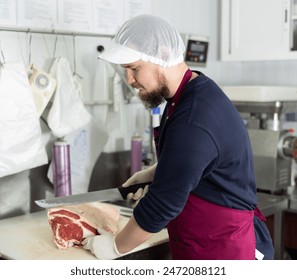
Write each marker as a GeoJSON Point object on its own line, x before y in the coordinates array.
{"type": "Point", "coordinates": [164, 53]}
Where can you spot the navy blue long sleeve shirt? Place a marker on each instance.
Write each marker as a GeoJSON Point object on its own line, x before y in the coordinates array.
{"type": "Point", "coordinates": [203, 149]}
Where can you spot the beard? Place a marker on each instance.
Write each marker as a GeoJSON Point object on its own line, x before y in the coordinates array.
{"type": "Point", "coordinates": [154, 98]}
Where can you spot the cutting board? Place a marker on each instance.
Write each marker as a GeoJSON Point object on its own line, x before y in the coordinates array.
{"type": "Point", "coordinates": [29, 237]}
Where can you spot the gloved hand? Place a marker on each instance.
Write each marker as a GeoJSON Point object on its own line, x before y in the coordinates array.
{"type": "Point", "coordinates": [142, 176]}
{"type": "Point", "coordinates": [102, 246]}
{"type": "Point", "coordinates": [138, 195]}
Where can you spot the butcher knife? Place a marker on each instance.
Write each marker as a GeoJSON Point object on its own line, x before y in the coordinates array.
{"type": "Point", "coordinates": [108, 195]}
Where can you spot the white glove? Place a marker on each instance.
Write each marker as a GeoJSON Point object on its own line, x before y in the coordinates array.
{"type": "Point", "coordinates": [102, 246]}
{"type": "Point", "coordinates": [142, 176]}
{"type": "Point", "coordinates": [138, 195]}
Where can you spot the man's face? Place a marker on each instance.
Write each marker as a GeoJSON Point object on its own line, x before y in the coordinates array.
{"type": "Point", "coordinates": [149, 80]}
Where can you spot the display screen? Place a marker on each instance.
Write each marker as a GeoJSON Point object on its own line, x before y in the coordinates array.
{"type": "Point", "coordinates": [196, 51]}
{"type": "Point", "coordinates": [197, 47]}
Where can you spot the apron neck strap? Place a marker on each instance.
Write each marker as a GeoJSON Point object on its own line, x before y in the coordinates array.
{"type": "Point", "coordinates": [174, 101]}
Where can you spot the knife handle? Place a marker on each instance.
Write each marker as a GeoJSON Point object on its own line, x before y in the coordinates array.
{"type": "Point", "coordinates": [131, 189]}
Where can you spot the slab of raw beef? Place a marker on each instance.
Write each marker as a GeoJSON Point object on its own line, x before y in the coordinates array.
{"type": "Point", "coordinates": [71, 224]}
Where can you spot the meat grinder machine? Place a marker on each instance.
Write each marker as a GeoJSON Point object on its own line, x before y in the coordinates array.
{"type": "Point", "coordinates": [274, 148]}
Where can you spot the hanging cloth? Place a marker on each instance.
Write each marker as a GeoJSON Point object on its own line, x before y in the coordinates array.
{"type": "Point", "coordinates": [21, 145]}
{"type": "Point", "coordinates": [67, 113]}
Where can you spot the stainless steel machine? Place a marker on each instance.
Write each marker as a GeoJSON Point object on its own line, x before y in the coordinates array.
{"type": "Point", "coordinates": [274, 148]}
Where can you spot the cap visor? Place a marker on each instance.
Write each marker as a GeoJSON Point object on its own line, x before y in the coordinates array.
{"type": "Point", "coordinates": [120, 55]}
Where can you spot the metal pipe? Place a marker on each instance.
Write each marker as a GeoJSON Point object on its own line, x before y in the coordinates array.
{"type": "Point", "coordinates": [54, 32]}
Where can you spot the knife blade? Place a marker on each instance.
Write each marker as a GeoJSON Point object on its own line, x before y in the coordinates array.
{"type": "Point", "coordinates": [119, 193]}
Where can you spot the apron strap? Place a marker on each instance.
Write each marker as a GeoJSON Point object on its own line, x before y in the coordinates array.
{"type": "Point", "coordinates": [176, 97]}
{"type": "Point", "coordinates": [259, 214]}
{"type": "Point", "coordinates": [172, 105]}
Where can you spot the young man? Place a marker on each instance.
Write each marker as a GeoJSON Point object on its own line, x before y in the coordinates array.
{"type": "Point", "coordinates": [203, 186]}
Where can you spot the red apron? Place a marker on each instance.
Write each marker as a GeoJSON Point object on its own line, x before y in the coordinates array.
{"type": "Point", "coordinates": [199, 234]}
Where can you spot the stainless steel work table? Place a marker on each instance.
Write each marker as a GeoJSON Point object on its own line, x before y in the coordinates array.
{"type": "Point", "coordinates": [275, 205]}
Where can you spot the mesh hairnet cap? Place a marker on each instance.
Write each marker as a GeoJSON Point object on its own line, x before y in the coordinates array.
{"type": "Point", "coordinates": [149, 38]}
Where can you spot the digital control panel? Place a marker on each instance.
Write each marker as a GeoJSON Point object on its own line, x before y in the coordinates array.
{"type": "Point", "coordinates": [196, 50]}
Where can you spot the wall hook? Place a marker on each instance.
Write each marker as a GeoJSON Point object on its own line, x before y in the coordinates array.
{"type": "Point", "coordinates": [100, 48]}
